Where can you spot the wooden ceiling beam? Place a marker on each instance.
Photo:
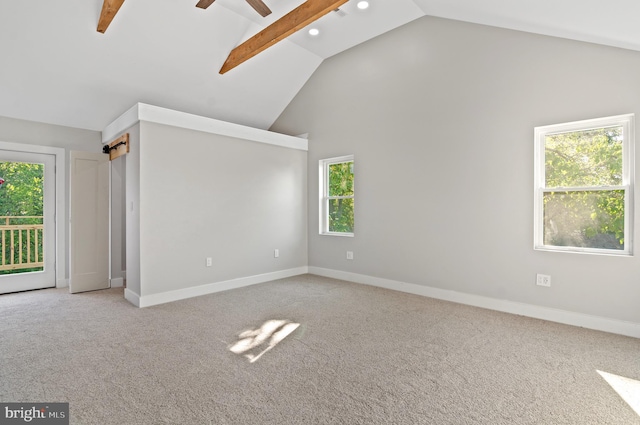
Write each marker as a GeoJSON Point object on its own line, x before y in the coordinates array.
{"type": "Point", "coordinates": [203, 4]}
{"type": "Point", "coordinates": [109, 10]}
{"type": "Point", "coordinates": [298, 18]}
{"type": "Point", "coordinates": [260, 7]}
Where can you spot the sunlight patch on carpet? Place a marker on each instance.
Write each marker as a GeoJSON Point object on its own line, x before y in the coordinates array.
{"type": "Point", "coordinates": [627, 388]}
{"type": "Point", "coordinates": [254, 343]}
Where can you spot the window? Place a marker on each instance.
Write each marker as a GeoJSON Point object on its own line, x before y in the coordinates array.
{"type": "Point", "coordinates": [584, 186]}
{"type": "Point", "coordinates": [336, 196]}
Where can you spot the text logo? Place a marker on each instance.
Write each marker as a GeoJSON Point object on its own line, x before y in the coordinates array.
{"type": "Point", "coordinates": [34, 413]}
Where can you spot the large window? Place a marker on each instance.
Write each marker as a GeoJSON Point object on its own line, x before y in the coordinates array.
{"type": "Point", "coordinates": [584, 186]}
{"type": "Point", "coordinates": [336, 196]}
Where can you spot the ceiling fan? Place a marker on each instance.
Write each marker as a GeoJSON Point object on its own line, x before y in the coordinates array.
{"type": "Point", "coordinates": [258, 6]}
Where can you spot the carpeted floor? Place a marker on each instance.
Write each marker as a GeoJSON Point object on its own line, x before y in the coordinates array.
{"type": "Point", "coordinates": [306, 350]}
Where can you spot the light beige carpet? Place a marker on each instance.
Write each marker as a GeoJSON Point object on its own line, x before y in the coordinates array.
{"type": "Point", "coordinates": [358, 355]}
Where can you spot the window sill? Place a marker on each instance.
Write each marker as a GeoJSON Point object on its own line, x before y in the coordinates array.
{"type": "Point", "coordinates": [348, 235]}
{"type": "Point", "coordinates": [591, 251]}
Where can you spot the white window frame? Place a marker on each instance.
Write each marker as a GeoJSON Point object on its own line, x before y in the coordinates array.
{"type": "Point", "coordinates": [324, 193]}
{"type": "Point", "coordinates": [628, 143]}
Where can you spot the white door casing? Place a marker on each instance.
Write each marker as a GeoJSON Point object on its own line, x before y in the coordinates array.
{"type": "Point", "coordinates": [89, 222]}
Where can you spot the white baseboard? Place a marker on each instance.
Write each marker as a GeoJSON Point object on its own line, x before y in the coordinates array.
{"type": "Point", "coordinates": [599, 323]}
{"type": "Point", "coordinates": [195, 291]}
{"type": "Point", "coordinates": [117, 282]}
{"type": "Point", "coordinates": [62, 283]}
{"type": "Point", "coordinates": [132, 297]}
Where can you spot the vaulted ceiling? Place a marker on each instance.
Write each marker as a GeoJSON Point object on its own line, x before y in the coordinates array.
{"type": "Point", "coordinates": [56, 68]}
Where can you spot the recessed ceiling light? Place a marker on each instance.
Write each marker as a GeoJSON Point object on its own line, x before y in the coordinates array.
{"type": "Point", "coordinates": [314, 31]}
{"type": "Point", "coordinates": [363, 4]}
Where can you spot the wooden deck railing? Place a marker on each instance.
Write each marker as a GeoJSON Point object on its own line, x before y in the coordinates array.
{"type": "Point", "coordinates": [21, 239]}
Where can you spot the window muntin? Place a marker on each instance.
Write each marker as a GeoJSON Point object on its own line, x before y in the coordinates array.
{"type": "Point", "coordinates": [337, 196]}
{"type": "Point", "coordinates": [584, 179]}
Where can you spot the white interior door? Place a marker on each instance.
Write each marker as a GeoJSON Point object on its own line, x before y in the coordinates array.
{"type": "Point", "coordinates": [89, 222]}
{"type": "Point", "coordinates": [27, 221]}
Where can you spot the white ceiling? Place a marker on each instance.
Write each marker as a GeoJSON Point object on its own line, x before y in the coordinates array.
{"type": "Point", "coordinates": [56, 68]}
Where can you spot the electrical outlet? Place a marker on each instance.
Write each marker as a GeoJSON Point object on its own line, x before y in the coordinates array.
{"type": "Point", "coordinates": [276, 253]}
{"type": "Point", "coordinates": [349, 255]}
{"type": "Point", "coordinates": [209, 261]}
{"type": "Point", "coordinates": [543, 280]}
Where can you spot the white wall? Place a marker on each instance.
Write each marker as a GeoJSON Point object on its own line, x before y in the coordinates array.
{"type": "Point", "coordinates": [440, 115]}
{"type": "Point", "coordinates": [206, 195]}
{"type": "Point", "coordinates": [40, 134]}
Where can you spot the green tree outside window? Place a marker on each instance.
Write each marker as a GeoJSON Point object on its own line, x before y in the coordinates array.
{"type": "Point", "coordinates": [584, 204]}
{"type": "Point", "coordinates": [341, 197]}
{"type": "Point", "coordinates": [22, 194]}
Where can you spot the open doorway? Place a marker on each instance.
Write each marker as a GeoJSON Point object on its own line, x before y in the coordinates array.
{"type": "Point", "coordinates": [118, 222]}
{"type": "Point", "coordinates": [27, 221]}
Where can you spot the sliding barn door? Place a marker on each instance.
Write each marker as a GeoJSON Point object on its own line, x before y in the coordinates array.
{"type": "Point", "coordinates": [89, 222]}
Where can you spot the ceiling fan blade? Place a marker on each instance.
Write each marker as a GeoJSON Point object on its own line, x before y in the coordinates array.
{"type": "Point", "coordinates": [203, 4]}
{"type": "Point", "coordinates": [260, 7]}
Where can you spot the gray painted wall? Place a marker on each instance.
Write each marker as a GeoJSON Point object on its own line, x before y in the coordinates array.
{"type": "Point", "coordinates": [204, 195]}
{"type": "Point", "coordinates": [34, 133]}
{"type": "Point", "coordinates": [440, 115]}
